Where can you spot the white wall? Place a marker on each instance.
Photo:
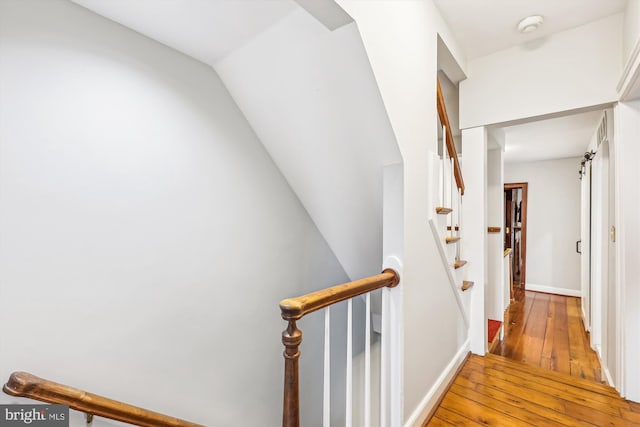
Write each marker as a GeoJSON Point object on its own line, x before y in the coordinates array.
{"type": "Point", "coordinates": [629, 84]}
{"type": "Point", "coordinates": [631, 29]}
{"type": "Point", "coordinates": [495, 244]}
{"type": "Point", "coordinates": [627, 128]}
{"type": "Point", "coordinates": [311, 97]}
{"type": "Point", "coordinates": [568, 70]}
{"type": "Point", "coordinates": [451, 96]}
{"type": "Point", "coordinates": [401, 42]}
{"type": "Point", "coordinates": [146, 235]}
{"type": "Point", "coordinates": [474, 232]}
{"type": "Point", "coordinates": [553, 223]}
{"type": "Point", "coordinates": [452, 102]}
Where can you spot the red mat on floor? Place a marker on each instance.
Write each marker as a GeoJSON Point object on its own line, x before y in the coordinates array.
{"type": "Point", "coordinates": [494, 326]}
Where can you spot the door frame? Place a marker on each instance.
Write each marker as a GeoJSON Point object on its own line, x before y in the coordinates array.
{"type": "Point", "coordinates": [524, 186]}
{"type": "Point", "coordinates": [604, 298]}
{"type": "Point", "coordinates": [586, 245]}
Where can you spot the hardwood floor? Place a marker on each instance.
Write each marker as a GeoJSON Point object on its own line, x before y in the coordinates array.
{"type": "Point", "coordinates": [497, 391]}
{"type": "Point", "coordinates": [546, 330]}
{"type": "Point", "coordinates": [543, 373]}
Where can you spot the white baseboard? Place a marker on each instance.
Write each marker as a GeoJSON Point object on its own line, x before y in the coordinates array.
{"type": "Point", "coordinates": [553, 290]}
{"type": "Point", "coordinates": [603, 367]}
{"type": "Point", "coordinates": [584, 320]}
{"type": "Point", "coordinates": [605, 370]}
{"type": "Point", "coordinates": [608, 376]}
{"type": "Point", "coordinates": [429, 401]}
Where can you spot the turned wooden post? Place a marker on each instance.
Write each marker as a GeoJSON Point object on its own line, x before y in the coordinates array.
{"type": "Point", "coordinates": [291, 338]}
{"type": "Point", "coordinates": [294, 309]}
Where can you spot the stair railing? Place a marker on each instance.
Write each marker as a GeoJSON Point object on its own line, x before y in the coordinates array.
{"type": "Point", "coordinates": [450, 169]}
{"type": "Point", "coordinates": [451, 204]}
{"type": "Point", "coordinates": [294, 309]}
{"type": "Point", "coordinates": [448, 138]}
{"type": "Point", "coordinates": [23, 384]}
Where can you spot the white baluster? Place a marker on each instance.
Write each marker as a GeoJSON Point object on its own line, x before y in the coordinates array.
{"type": "Point", "coordinates": [442, 166]}
{"type": "Point", "coordinates": [452, 185]}
{"type": "Point", "coordinates": [349, 404]}
{"type": "Point", "coordinates": [459, 209]}
{"type": "Point", "coordinates": [367, 362]}
{"type": "Point", "coordinates": [326, 398]}
{"type": "Point", "coordinates": [459, 224]}
{"type": "Point", "coordinates": [384, 358]}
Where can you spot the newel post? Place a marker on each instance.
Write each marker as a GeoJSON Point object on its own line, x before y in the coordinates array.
{"type": "Point", "coordinates": [291, 338]}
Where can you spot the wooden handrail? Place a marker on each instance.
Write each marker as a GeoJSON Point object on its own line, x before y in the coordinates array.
{"type": "Point", "coordinates": [24, 384]}
{"type": "Point", "coordinates": [294, 309]}
{"type": "Point", "coordinates": [451, 146]}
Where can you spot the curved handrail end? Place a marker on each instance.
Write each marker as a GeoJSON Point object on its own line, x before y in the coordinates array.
{"type": "Point", "coordinates": [24, 384]}
{"type": "Point", "coordinates": [19, 383]}
{"type": "Point", "coordinates": [291, 308]}
{"type": "Point", "coordinates": [396, 277]}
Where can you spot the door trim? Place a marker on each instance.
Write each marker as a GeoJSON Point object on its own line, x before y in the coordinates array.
{"type": "Point", "coordinates": [524, 186]}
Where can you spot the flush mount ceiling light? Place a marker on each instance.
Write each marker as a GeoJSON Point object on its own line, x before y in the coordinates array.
{"type": "Point", "coordinates": [530, 23]}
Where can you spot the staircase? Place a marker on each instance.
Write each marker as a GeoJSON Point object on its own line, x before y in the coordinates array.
{"type": "Point", "coordinates": [494, 390]}
{"type": "Point", "coordinates": [446, 219]}
{"type": "Point", "coordinates": [450, 241]}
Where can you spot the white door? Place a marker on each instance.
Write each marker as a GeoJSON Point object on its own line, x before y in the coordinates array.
{"type": "Point", "coordinates": [585, 245]}
{"type": "Point", "coordinates": [600, 249]}
{"type": "Point", "coordinates": [611, 343]}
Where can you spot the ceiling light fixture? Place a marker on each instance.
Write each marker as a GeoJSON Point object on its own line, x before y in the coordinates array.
{"type": "Point", "coordinates": [530, 23]}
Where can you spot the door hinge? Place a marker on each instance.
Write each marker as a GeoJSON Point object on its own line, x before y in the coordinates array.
{"type": "Point", "coordinates": [613, 233]}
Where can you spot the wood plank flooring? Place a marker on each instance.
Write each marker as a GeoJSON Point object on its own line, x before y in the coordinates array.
{"type": "Point", "coordinates": [546, 330]}
{"type": "Point", "coordinates": [497, 391]}
{"type": "Point", "coordinates": [543, 373]}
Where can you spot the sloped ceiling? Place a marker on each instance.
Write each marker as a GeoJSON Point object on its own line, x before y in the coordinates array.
{"type": "Point", "coordinates": [308, 92]}
{"type": "Point", "coordinates": [205, 30]}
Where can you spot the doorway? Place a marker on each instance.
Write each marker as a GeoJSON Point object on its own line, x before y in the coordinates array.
{"type": "Point", "coordinates": [515, 231]}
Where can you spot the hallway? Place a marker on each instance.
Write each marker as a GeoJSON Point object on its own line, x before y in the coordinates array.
{"type": "Point", "coordinates": [497, 391]}
{"type": "Point", "coordinates": [546, 330]}
{"type": "Point", "coordinates": [517, 385]}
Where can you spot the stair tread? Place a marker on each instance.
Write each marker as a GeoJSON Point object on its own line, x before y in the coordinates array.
{"type": "Point", "coordinates": [443, 211]}
{"type": "Point", "coordinates": [466, 285]}
{"type": "Point", "coordinates": [450, 239]}
{"type": "Point", "coordinates": [553, 375]}
{"type": "Point", "coordinates": [459, 263]}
